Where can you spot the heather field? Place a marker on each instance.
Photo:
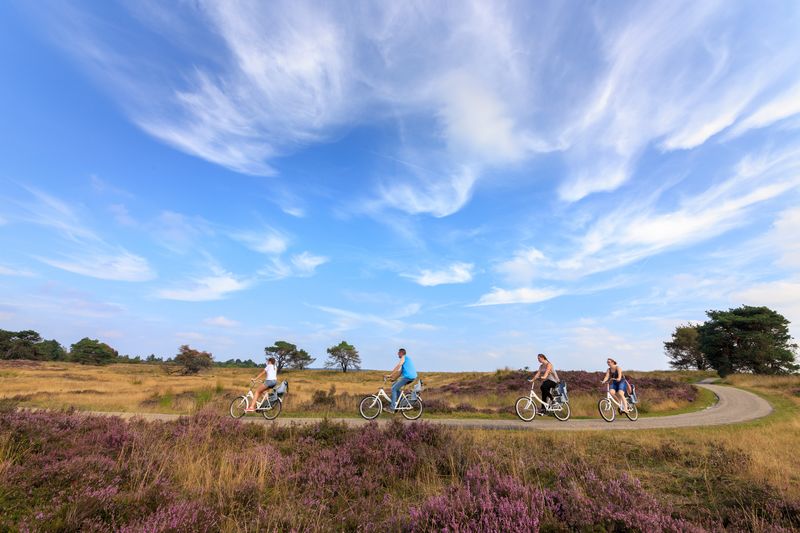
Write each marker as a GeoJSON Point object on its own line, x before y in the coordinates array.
{"type": "Point", "coordinates": [153, 389]}
{"type": "Point", "coordinates": [65, 472]}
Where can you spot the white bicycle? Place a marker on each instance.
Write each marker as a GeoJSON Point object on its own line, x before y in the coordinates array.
{"type": "Point", "coordinates": [270, 405]}
{"type": "Point", "coordinates": [607, 405]}
{"type": "Point", "coordinates": [410, 406]}
{"type": "Point", "coordinates": [559, 405]}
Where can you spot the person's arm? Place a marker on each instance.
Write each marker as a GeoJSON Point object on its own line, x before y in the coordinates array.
{"type": "Point", "coordinates": [396, 370]}
{"type": "Point", "coordinates": [606, 377]}
{"type": "Point", "coordinates": [261, 374]}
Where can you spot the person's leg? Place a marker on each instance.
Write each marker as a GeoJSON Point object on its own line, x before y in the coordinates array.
{"type": "Point", "coordinates": [256, 393]}
{"type": "Point", "coordinates": [622, 389]}
{"type": "Point", "coordinates": [269, 385]}
{"type": "Point", "coordinates": [547, 390]}
{"type": "Point", "coordinates": [399, 384]}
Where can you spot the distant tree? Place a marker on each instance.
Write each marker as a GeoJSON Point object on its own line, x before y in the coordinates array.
{"type": "Point", "coordinates": [193, 361]}
{"type": "Point", "coordinates": [152, 359]}
{"type": "Point", "coordinates": [748, 339]}
{"type": "Point", "coordinates": [51, 350]}
{"type": "Point", "coordinates": [344, 356]}
{"type": "Point", "coordinates": [19, 344]}
{"type": "Point", "coordinates": [92, 352]}
{"type": "Point", "coordinates": [684, 351]}
{"type": "Point", "coordinates": [282, 351]}
{"type": "Point", "coordinates": [300, 360]}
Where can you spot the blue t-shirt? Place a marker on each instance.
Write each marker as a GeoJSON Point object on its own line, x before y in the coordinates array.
{"type": "Point", "coordinates": [409, 372]}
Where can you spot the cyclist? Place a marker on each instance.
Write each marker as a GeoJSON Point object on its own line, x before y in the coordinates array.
{"type": "Point", "coordinates": [404, 372]}
{"type": "Point", "coordinates": [270, 374]}
{"type": "Point", "coordinates": [549, 377]}
{"type": "Point", "coordinates": [618, 385]}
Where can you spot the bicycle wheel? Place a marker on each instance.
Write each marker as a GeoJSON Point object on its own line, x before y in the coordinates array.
{"type": "Point", "coordinates": [606, 410]}
{"type": "Point", "coordinates": [238, 407]}
{"type": "Point", "coordinates": [633, 414]}
{"type": "Point", "coordinates": [273, 411]}
{"type": "Point", "coordinates": [415, 411]}
{"type": "Point", "coordinates": [370, 407]}
{"type": "Point", "coordinates": [525, 408]}
{"type": "Point", "coordinates": [563, 413]}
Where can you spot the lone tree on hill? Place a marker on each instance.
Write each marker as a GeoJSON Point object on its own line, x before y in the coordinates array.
{"type": "Point", "coordinates": [344, 356]}
{"type": "Point", "coordinates": [301, 359]}
{"type": "Point", "coordinates": [748, 339]}
{"type": "Point", "coordinates": [287, 355]}
{"type": "Point", "coordinates": [193, 361]}
{"type": "Point", "coordinates": [684, 351]}
{"type": "Point", "coordinates": [92, 352]}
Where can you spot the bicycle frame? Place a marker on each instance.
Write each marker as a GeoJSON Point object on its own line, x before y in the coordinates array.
{"type": "Point", "coordinates": [265, 400]}
{"type": "Point", "coordinates": [401, 399]}
{"type": "Point", "coordinates": [556, 405]}
{"type": "Point", "coordinates": [610, 397]}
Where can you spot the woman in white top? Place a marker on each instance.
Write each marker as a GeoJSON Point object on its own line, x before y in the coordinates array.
{"type": "Point", "coordinates": [270, 375]}
{"type": "Point", "coordinates": [549, 377]}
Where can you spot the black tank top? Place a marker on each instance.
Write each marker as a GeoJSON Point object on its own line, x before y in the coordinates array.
{"type": "Point", "coordinates": [614, 373]}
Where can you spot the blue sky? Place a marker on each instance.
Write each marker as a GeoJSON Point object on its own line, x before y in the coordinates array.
{"type": "Point", "coordinates": [477, 182]}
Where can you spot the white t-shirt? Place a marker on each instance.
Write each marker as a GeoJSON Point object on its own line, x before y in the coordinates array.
{"type": "Point", "coordinates": [272, 372]}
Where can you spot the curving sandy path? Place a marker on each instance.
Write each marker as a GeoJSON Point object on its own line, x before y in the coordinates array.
{"type": "Point", "coordinates": [733, 406]}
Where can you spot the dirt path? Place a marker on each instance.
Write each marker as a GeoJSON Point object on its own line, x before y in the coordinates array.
{"type": "Point", "coordinates": [733, 405]}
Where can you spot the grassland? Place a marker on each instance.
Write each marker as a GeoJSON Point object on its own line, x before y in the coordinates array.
{"type": "Point", "coordinates": [153, 389]}
{"type": "Point", "coordinates": [209, 473]}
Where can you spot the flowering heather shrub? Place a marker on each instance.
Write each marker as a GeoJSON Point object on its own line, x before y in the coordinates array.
{"type": "Point", "coordinates": [485, 501]}
{"type": "Point", "coordinates": [176, 518]}
{"type": "Point", "coordinates": [67, 472]}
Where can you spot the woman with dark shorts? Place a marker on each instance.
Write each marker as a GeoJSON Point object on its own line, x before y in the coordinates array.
{"type": "Point", "coordinates": [549, 377]}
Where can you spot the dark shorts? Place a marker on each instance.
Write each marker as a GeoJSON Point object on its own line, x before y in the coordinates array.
{"type": "Point", "coordinates": [619, 385]}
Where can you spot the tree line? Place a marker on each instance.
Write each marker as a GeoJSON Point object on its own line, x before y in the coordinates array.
{"type": "Point", "coordinates": [29, 344]}
{"type": "Point", "coordinates": [745, 339]}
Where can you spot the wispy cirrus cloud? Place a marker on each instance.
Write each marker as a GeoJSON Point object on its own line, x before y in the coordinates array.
{"type": "Point", "coordinates": [216, 286]}
{"type": "Point", "coordinates": [497, 84]}
{"type": "Point", "coordinates": [221, 321]}
{"type": "Point", "coordinates": [456, 273]}
{"type": "Point", "coordinates": [92, 255]}
{"type": "Point", "coordinates": [522, 295]}
{"type": "Point", "coordinates": [640, 229]}
{"type": "Point", "coordinates": [119, 266]}
{"type": "Point", "coordinates": [268, 241]}
{"type": "Point", "coordinates": [13, 271]}
{"type": "Point", "coordinates": [302, 265]}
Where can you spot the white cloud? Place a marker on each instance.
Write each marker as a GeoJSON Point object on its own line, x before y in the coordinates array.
{"type": "Point", "coordinates": [214, 287]}
{"type": "Point", "coordinates": [784, 105]}
{"type": "Point", "coordinates": [349, 320]}
{"type": "Point", "coordinates": [523, 295]}
{"type": "Point", "coordinates": [301, 265]}
{"type": "Point", "coordinates": [180, 233]}
{"type": "Point", "coordinates": [122, 215]}
{"type": "Point", "coordinates": [118, 266]}
{"type": "Point", "coordinates": [306, 263]}
{"type": "Point", "coordinates": [783, 296]}
{"type": "Point", "coordinates": [638, 230]}
{"type": "Point", "coordinates": [221, 321]}
{"type": "Point", "coordinates": [269, 241]}
{"type": "Point", "coordinates": [455, 273]}
{"type": "Point", "coordinates": [12, 271]}
{"type": "Point", "coordinates": [523, 267]}
{"type": "Point", "coordinates": [438, 197]}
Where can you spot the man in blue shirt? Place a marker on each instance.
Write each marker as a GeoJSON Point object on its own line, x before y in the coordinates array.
{"type": "Point", "coordinates": [404, 372]}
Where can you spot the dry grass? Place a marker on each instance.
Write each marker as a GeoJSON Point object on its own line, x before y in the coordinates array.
{"type": "Point", "coordinates": [151, 389]}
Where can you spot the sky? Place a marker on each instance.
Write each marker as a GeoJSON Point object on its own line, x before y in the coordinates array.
{"type": "Point", "coordinates": [477, 182]}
